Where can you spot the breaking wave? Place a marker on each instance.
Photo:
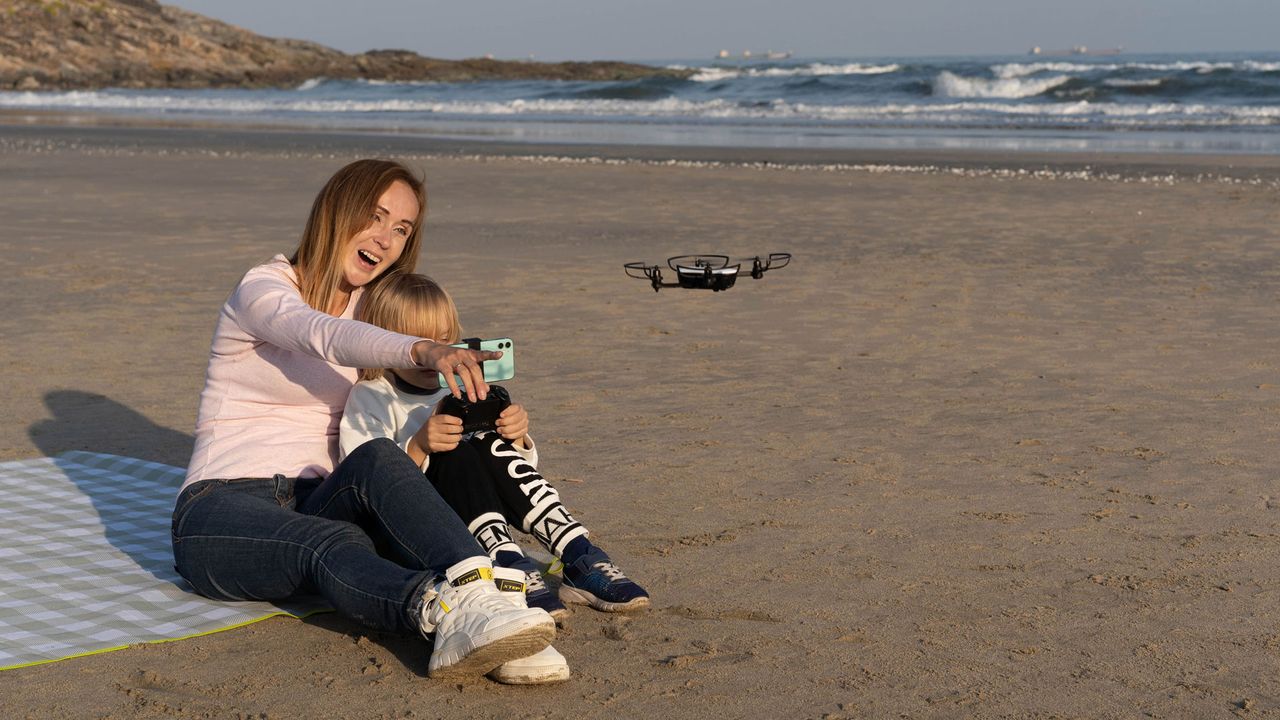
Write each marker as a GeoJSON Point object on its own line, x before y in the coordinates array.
{"type": "Point", "coordinates": [1238, 95]}
{"type": "Point", "coordinates": [950, 85]}
{"type": "Point", "coordinates": [983, 111]}
{"type": "Point", "coordinates": [718, 74]}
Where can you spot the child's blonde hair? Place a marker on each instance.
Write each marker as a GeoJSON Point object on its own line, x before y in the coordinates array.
{"type": "Point", "coordinates": [411, 304]}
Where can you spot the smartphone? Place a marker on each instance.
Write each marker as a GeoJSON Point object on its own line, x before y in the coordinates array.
{"type": "Point", "coordinates": [504, 368]}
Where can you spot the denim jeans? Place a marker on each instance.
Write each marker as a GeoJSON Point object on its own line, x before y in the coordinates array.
{"type": "Point", "coordinates": [367, 539]}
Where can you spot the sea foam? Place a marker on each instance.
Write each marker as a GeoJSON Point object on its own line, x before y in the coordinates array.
{"type": "Point", "coordinates": [1203, 67]}
{"type": "Point", "coordinates": [967, 112]}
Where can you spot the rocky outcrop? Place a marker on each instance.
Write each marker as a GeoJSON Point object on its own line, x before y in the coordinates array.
{"type": "Point", "coordinates": [66, 44]}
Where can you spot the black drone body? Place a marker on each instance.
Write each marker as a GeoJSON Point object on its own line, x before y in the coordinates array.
{"type": "Point", "coordinates": [705, 272]}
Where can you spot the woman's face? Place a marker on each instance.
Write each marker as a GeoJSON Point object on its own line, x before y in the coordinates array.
{"type": "Point", "coordinates": [375, 248]}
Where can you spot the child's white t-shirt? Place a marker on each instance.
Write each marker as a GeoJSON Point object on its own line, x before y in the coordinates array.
{"type": "Point", "coordinates": [380, 409]}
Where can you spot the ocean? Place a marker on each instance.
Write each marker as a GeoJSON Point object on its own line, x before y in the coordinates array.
{"type": "Point", "coordinates": [1180, 103]}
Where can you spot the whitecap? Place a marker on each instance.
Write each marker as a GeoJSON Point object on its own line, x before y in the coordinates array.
{"type": "Point", "coordinates": [1257, 66]}
{"type": "Point", "coordinates": [948, 84]}
{"type": "Point", "coordinates": [854, 69]}
{"type": "Point", "coordinates": [713, 74]}
{"type": "Point", "coordinates": [718, 74]}
{"type": "Point", "coordinates": [1125, 83]}
{"type": "Point", "coordinates": [1010, 71]}
{"type": "Point", "coordinates": [1203, 67]}
{"type": "Point", "coordinates": [980, 110]}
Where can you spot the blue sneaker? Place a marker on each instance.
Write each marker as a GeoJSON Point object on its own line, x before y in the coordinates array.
{"type": "Point", "coordinates": [536, 593]}
{"type": "Point", "coordinates": [594, 580]}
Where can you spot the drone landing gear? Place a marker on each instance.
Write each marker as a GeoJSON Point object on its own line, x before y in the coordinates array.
{"type": "Point", "coordinates": [705, 272]}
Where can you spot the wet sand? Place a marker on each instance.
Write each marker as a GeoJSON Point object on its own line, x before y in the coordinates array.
{"type": "Point", "coordinates": [999, 443]}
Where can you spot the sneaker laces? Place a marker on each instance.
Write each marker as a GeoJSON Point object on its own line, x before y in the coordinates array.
{"type": "Point", "coordinates": [534, 583]}
{"type": "Point", "coordinates": [610, 571]}
{"type": "Point", "coordinates": [420, 609]}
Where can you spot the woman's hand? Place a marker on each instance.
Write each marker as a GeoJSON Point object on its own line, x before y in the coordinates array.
{"type": "Point", "coordinates": [452, 361]}
{"type": "Point", "coordinates": [440, 433]}
{"type": "Point", "coordinates": [513, 424]}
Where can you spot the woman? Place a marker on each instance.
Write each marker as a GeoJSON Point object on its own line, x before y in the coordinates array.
{"type": "Point", "coordinates": [267, 512]}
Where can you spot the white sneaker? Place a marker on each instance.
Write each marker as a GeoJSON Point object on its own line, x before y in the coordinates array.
{"type": "Point", "coordinates": [477, 628]}
{"type": "Point", "coordinates": [545, 666]}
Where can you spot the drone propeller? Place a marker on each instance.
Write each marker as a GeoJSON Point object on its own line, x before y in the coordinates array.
{"type": "Point", "coordinates": [758, 268]}
{"type": "Point", "coordinates": [652, 272]}
{"type": "Point", "coordinates": [705, 272]}
{"type": "Point", "coordinates": [690, 263]}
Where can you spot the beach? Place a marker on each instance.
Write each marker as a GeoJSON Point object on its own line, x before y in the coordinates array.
{"type": "Point", "coordinates": [999, 442]}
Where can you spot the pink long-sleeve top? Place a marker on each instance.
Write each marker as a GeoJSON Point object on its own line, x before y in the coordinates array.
{"type": "Point", "coordinates": [278, 378]}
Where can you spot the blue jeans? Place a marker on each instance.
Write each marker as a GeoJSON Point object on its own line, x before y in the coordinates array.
{"type": "Point", "coordinates": [367, 539]}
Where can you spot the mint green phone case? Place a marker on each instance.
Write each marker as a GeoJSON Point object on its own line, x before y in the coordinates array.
{"type": "Point", "coordinates": [504, 368]}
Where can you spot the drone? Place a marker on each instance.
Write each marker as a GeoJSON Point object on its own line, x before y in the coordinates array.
{"type": "Point", "coordinates": [705, 272]}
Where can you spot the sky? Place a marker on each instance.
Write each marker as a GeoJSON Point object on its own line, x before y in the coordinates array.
{"type": "Point", "coordinates": [697, 29]}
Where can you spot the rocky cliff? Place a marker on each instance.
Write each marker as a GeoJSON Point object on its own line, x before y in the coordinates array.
{"type": "Point", "coordinates": [63, 44]}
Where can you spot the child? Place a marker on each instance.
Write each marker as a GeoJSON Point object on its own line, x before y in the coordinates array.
{"type": "Point", "coordinates": [489, 478]}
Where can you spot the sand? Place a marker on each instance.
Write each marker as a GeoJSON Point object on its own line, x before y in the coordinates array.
{"type": "Point", "coordinates": [999, 443]}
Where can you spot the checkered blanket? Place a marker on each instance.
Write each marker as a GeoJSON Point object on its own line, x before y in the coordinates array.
{"type": "Point", "coordinates": [85, 561]}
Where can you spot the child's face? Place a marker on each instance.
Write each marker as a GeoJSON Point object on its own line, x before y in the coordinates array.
{"type": "Point", "coordinates": [424, 378]}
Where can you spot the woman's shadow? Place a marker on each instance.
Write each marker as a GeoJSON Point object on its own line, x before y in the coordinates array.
{"type": "Point", "coordinates": [94, 423]}
{"type": "Point", "coordinates": [88, 421]}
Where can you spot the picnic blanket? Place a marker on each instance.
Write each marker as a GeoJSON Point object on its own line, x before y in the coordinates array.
{"type": "Point", "coordinates": [86, 564]}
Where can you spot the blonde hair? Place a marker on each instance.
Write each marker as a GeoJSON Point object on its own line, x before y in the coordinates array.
{"type": "Point", "coordinates": [411, 304]}
{"type": "Point", "coordinates": [343, 208]}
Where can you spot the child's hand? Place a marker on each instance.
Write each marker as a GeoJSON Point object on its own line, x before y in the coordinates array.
{"type": "Point", "coordinates": [441, 433]}
{"type": "Point", "coordinates": [513, 423]}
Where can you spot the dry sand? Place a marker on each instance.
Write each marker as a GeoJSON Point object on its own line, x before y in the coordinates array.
{"type": "Point", "coordinates": [993, 446]}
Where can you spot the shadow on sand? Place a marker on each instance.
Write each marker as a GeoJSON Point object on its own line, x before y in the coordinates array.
{"type": "Point", "coordinates": [91, 422]}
